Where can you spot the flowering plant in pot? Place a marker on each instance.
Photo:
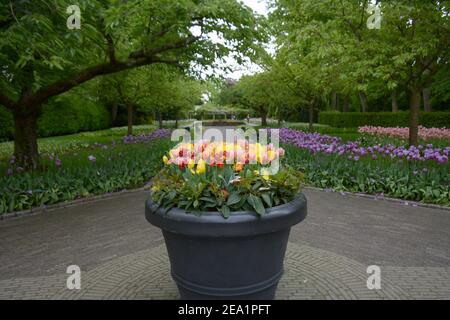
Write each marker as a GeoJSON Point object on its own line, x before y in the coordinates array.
{"type": "Point", "coordinates": [226, 216]}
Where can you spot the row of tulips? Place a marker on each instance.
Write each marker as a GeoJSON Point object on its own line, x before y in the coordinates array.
{"type": "Point", "coordinates": [403, 133]}
{"type": "Point", "coordinates": [144, 138]}
{"type": "Point", "coordinates": [354, 151]}
{"type": "Point", "coordinates": [196, 156]}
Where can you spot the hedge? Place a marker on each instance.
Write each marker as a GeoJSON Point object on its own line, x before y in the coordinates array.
{"type": "Point", "coordinates": [65, 115]}
{"type": "Point", "coordinates": [383, 119]}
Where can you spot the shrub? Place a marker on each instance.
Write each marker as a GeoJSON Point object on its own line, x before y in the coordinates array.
{"type": "Point", "coordinates": [383, 119]}
{"type": "Point", "coordinates": [64, 115]}
{"type": "Point", "coordinates": [71, 115]}
{"type": "Point", "coordinates": [303, 116]}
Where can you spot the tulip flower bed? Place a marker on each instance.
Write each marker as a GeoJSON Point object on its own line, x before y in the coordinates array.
{"type": "Point", "coordinates": [403, 133]}
{"type": "Point", "coordinates": [97, 169]}
{"type": "Point", "coordinates": [411, 173]}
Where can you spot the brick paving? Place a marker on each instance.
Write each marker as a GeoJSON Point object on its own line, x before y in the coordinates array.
{"type": "Point", "coordinates": [121, 256]}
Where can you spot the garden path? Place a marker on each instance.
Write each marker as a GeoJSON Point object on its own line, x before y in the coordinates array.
{"type": "Point", "coordinates": [122, 256]}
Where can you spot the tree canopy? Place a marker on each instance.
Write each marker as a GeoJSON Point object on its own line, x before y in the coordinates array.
{"type": "Point", "coordinates": [41, 57]}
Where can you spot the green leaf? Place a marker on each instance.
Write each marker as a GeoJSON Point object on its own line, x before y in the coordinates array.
{"type": "Point", "coordinates": [233, 199]}
{"type": "Point", "coordinates": [267, 199]}
{"type": "Point", "coordinates": [225, 210]}
{"type": "Point", "coordinates": [256, 204]}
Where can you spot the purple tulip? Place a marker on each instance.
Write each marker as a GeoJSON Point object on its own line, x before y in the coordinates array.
{"type": "Point", "coordinates": [316, 143]}
{"type": "Point", "coordinates": [145, 138]}
{"type": "Point", "coordinates": [92, 159]}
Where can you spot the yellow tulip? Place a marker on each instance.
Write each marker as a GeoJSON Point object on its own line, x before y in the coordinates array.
{"type": "Point", "coordinates": [191, 163]}
{"type": "Point", "coordinates": [265, 174]}
{"type": "Point", "coordinates": [271, 155]}
{"type": "Point", "coordinates": [201, 166]}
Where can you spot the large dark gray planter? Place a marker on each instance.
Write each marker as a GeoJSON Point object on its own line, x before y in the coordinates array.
{"type": "Point", "coordinates": [236, 258]}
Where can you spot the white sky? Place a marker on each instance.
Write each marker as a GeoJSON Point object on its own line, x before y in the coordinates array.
{"type": "Point", "coordinates": [257, 5]}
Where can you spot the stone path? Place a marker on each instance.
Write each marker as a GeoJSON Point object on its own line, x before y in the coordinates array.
{"type": "Point", "coordinates": [121, 256]}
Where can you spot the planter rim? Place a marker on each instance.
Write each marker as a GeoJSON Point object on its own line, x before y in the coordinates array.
{"type": "Point", "coordinates": [239, 223]}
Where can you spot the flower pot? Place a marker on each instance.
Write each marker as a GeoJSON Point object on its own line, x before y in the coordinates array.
{"type": "Point", "coordinates": [236, 258]}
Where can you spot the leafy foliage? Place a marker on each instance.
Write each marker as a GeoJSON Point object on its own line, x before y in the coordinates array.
{"type": "Point", "coordinates": [35, 39]}
{"type": "Point", "coordinates": [223, 191]}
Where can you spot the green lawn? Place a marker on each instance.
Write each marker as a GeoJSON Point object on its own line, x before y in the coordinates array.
{"type": "Point", "coordinates": [70, 143]}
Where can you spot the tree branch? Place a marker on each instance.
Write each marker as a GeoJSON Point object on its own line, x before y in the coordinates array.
{"type": "Point", "coordinates": [84, 76]}
{"type": "Point", "coordinates": [136, 59]}
{"type": "Point", "coordinates": [181, 43]}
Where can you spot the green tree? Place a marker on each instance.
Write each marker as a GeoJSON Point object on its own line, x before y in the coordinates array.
{"type": "Point", "coordinates": [169, 93]}
{"type": "Point", "coordinates": [407, 51]}
{"type": "Point", "coordinates": [41, 58]}
{"type": "Point", "coordinates": [415, 37]}
{"type": "Point", "coordinates": [255, 95]}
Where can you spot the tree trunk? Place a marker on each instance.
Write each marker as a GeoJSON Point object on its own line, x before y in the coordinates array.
{"type": "Point", "coordinates": [414, 107]}
{"type": "Point", "coordinates": [394, 101]}
{"type": "Point", "coordinates": [130, 118]}
{"type": "Point", "coordinates": [311, 116]}
{"type": "Point", "coordinates": [426, 100]}
{"type": "Point", "coordinates": [346, 106]}
{"type": "Point", "coordinates": [114, 110]}
{"type": "Point", "coordinates": [160, 120]}
{"type": "Point", "coordinates": [264, 119]}
{"type": "Point", "coordinates": [334, 101]}
{"type": "Point", "coordinates": [363, 99]}
{"type": "Point", "coordinates": [25, 140]}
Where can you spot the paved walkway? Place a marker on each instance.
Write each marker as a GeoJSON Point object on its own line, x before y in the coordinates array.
{"type": "Point", "coordinates": [123, 257]}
